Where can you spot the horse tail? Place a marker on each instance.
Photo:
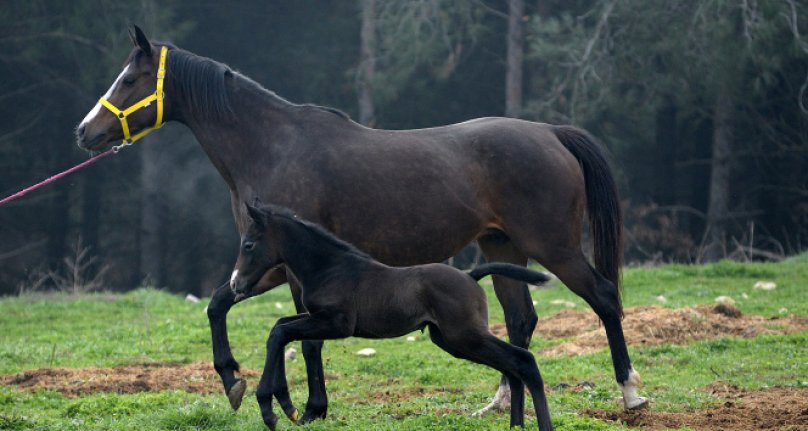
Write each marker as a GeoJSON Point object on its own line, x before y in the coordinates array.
{"type": "Point", "coordinates": [602, 202]}
{"type": "Point", "coordinates": [515, 272]}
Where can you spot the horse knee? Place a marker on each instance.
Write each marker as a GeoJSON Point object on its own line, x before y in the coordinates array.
{"type": "Point", "coordinates": [220, 303]}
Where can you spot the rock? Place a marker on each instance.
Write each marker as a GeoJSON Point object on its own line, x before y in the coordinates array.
{"type": "Point", "coordinates": [744, 296]}
{"type": "Point", "coordinates": [191, 298]}
{"type": "Point", "coordinates": [410, 338]}
{"type": "Point", "coordinates": [661, 299]}
{"type": "Point", "coordinates": [290, 354]}
{"type": "Point", "coordinates": [568, 304]}
{"type": "Point", "coordinates": [366, 352]}
{"type": "Point", "coordinates": [765, 285]}
{"type": "Point", "coordinates": [278, 305]}
{"type": "Point", "coordinates": [724, 300]}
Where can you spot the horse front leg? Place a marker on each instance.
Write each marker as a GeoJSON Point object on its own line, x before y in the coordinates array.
{"type": "Point", "coordinates": [317, 403]}
{"type": "Point", "coordinates": [223, 361]}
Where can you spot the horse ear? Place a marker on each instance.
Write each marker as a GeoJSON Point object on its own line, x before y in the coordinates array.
{"type": "Point", "coordinates": [256, 214]}
{"type": "Point", "coordinates": [132, 36]}
{"type": "Point", "coordinates": [142, 41]}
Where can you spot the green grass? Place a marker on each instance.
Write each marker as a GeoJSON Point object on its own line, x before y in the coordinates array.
{"type": "Point", "coordinates": [153, 326]}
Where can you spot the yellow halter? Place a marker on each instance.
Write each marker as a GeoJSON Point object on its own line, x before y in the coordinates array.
{"type": "Point", "coordinates": [158, 96]}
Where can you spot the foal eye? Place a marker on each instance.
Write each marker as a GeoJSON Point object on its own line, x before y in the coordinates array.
{"type": "Point", "coordinates": [128, 81]}
{"type": "Point", "coordinates": [249, 246]}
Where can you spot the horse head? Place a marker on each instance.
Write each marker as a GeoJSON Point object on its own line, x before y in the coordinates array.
{"type": "Point", "coordinates": [133, 105]}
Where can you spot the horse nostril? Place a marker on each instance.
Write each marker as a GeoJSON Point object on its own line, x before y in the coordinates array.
{"type": "Point", "coordinates": [80, 131]}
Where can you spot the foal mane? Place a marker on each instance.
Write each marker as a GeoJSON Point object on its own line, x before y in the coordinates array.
{"type": "Point", "coordinates": [319, 232]}
{"type": "Point", "coordinates": [201, 82]}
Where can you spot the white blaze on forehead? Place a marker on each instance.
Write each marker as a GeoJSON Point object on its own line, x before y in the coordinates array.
{"type": "Point", "coordinates": [97, 108]}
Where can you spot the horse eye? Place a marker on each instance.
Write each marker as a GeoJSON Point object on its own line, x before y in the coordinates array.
{"type": "Point", "coordinates": [249, 246]}
{"type": "Point", "coordinates": [128, 81]}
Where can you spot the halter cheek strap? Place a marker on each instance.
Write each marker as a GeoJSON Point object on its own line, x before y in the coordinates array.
{"type": "Point", "coordinates": [157, 96]}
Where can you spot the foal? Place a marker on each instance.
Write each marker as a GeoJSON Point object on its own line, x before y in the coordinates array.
{"type": "Point", "coordinates": [347, 293]}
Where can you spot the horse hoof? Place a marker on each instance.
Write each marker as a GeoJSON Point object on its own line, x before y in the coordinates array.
{"type": "Point", "coordinates": [639, 403]}
{"type": "Point", "coordinates": [236, 394]}
{"type": "Point", "coordinates": [311, 416]}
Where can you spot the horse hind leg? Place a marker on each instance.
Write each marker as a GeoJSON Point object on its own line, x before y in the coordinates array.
{"type": "Point", "coordinates": [576, 273]}
{"type": "Point", "coordinates": [520, 315]}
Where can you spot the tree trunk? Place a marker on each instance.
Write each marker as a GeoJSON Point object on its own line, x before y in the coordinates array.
{"type": "Point", "coordinates": [664, 163]}
{"type": "Point", "coordinates": [516, 45]}
{"type": "Point", "coordinates": [367, 63]}
{"type": "Point", "coordinates": [718, 206]}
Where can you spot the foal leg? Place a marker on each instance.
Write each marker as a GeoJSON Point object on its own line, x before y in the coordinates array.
{"type": "Point", "coordinates": [576, 273]}
{"type": "Point", "coordinates": [317, 404]}
{"type": "Point", "coordinates": [274, 369]}
{"type": "Point", "coordinates": [520, 315]}
{"type": "Point", "coordinates": [514, 362]}
{"type": "Point", "coordinates": [300, 327]}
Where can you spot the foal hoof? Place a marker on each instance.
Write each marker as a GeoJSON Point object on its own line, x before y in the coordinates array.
{"type": "Point", "coordinates": [236, 394]}
{"type": "Point", "coordinates": [294, 416]}
{"type": "Point", "coordinates": [271, 421]}
{"type": "Point", "coordinates": [638, 403]}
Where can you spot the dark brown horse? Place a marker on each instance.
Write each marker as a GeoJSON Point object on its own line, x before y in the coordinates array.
{"type": "Point", "coordinates": [349, 294]}
{"type": "Point", "coordinates": [405, 197]}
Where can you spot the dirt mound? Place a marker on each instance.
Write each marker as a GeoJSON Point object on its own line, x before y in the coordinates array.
{"type": "Point", "coordinates": [199, 377]}
{"type": "Point", "coordinates": [769, 409]}
{"type": "Point", "coordinates": [654, 325]}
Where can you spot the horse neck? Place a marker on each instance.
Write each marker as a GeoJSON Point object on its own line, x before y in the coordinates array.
{"type": "Point", "coordinates": [242, 146]}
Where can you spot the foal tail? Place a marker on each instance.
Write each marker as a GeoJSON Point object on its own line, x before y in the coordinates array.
{"type": "Point", "coordinates": [602, 202]}
{"type": "Point", "coordinates": [515, 272]}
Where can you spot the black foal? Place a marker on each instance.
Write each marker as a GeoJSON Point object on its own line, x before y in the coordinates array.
{"type": "Point", "coordinates": [347, 293]}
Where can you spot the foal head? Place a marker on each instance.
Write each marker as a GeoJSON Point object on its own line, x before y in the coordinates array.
{"type": "Point", "coordinates": [137, 81]}
{"type": "Point", "coordinates": [258, 253]}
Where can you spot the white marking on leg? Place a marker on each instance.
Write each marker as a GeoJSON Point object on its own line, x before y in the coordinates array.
{"type": "Point", "coordinates": [233, 280]}
{"type": "Point", "coordinates": [97, 108]}
{"type": "Point", "coordinates": [500, 403]}
{"type": "Point", "coordinates": [629, 389]}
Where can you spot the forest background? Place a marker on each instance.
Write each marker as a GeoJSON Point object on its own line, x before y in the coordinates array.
{"type": "Point", "coordinates": [702, 105]}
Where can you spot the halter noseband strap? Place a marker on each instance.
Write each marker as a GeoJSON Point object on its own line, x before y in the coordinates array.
{"type": "Point", "coordinates": [157, 96]}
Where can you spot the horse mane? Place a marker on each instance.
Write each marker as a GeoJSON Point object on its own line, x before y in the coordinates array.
{"type": "Point", "coordinates": [315, 229]}
{"type": "Point", "coordinates": [201, 84]}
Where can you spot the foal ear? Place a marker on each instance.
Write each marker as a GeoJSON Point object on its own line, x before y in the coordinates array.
{"type": "Point", "coordinates": [142, 41]}
{"type": "Point", "coordinates": [256, 214]}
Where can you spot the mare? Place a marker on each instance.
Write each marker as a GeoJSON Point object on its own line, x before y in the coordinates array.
{"type": "Point", "coordinates": [347, 293]}
{"type": "Point", "coordinates": [519, 188]}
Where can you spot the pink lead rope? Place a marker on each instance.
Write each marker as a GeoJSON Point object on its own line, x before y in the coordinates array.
{"type": "Point", "coordinates": [83, 164]}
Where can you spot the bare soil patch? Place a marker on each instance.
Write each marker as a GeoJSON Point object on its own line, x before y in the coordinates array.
{"type": "Point", "coordinates": [198, 377]}
{"type": "Point", "coordinates": [778, 408]}
{"type": "Point", "coordinates": [654, 325]}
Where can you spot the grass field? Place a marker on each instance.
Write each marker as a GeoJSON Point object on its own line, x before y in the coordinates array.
{"type": "Point", "coordinates": [406, 385]}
